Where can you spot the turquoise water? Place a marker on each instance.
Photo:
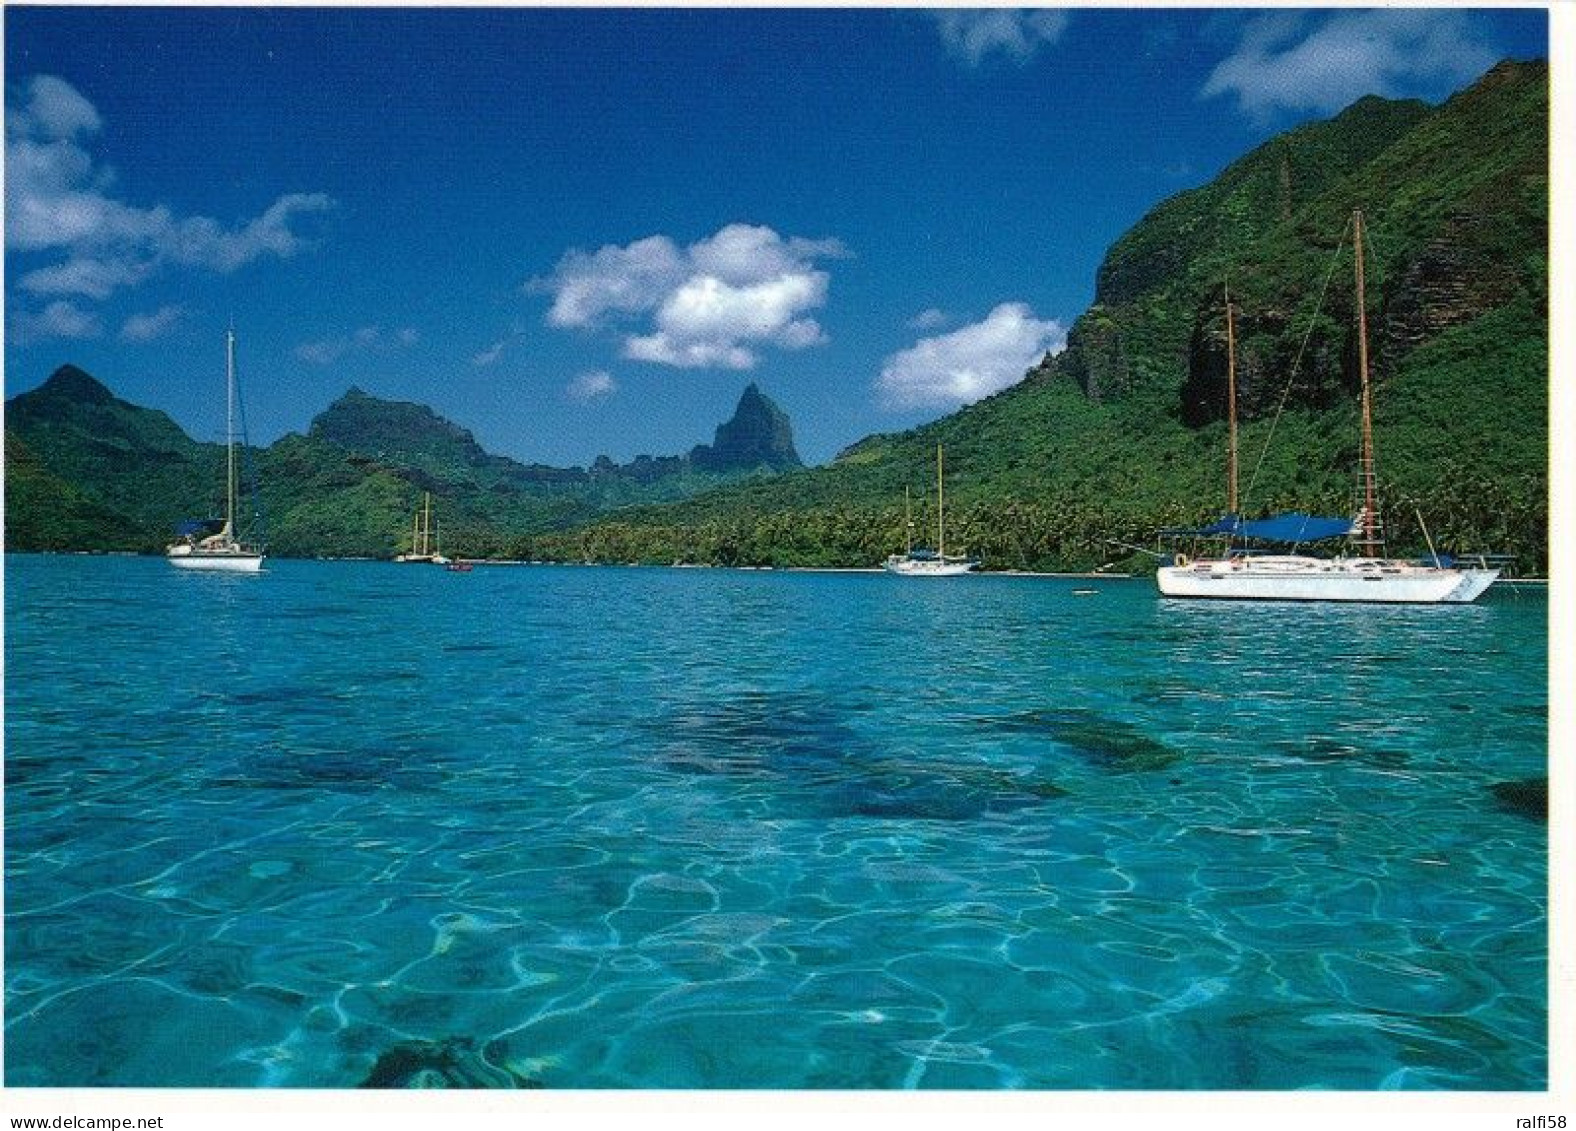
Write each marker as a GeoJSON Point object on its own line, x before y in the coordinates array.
{"type": "Point", "coordinates": [350, 823]}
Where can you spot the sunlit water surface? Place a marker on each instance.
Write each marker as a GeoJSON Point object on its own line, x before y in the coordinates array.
{"type": "Point", "coordinates": [357, 823]}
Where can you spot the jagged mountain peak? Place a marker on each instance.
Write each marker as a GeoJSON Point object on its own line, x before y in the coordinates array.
{"type": "Point", "coordinates": [404, 430]}
{"type": "Point", "coordinates": [758, 434]}
{"type": "Point", "coordinates": [73, 384]}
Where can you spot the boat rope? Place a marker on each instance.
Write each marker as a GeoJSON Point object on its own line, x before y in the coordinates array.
{"type": "Point", "coordinates": [1158, 556]}
{"type": "Point", "coordinates": [1296, 364]}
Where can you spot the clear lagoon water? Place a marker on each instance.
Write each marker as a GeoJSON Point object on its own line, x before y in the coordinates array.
{"type": "Point", "coordinates": [357, 823]}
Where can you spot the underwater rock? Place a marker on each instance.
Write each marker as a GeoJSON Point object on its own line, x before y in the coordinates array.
{"type": "Point", "coordinates": [1109, 742]}
{"type": "Point", "coordinates": [945, 793]}
{"type": "Point", "coordinates": [352, 769]}
{"type": "Point", "coordinates": [839, 770]}
{"type": "Point", "coordinates": [1330, 750]}
{"type": "Point", "coordinates": [758, 732]}
{"type": "Point", "coordinates": [453, 1062]}
{"type": "Point", "coordinates": [1529, 797]}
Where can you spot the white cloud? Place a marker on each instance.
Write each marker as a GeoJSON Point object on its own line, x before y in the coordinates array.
{"type": "Point", "coordinates": [489, 355]}
{"type": "Point", "coordinates": [322, 353]}
{"type": "Point", "coordinates": [664, 349]}
{"type": "Point", "coordinates": [365, 340]}
{"type": "Point", "coordinates": [146, 327]}
{"type": "Point", "coordinates": [56, 111]}
{"type": "Point", "coordinates": [59, 203]}
{"type": "Point", "coordinates": [712, 304]}
{"type": "Point", "coordinates": [594, 386]}
{"type": "Point", "coordinates": [1288, 61]}
{"type": "Point", "coordinates": [60, 319]}
{"type": "Point", "coordinates": [618, 279]}
{"type": "Point", "coordinates": [974, 33]}
{"type": "Point", "coordinates": [930, 319]}
{"type": "Point", "coordinates": [201, 242]}
{"type": "Point", "coordinates": [969, 363]}
{"type": "Point", "coordinates": [91, 278]}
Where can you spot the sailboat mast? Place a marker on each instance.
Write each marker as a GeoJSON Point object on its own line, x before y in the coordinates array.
{"type": "Point", "coordinates": [229, 431]}
{"type": "Point", "coordinates": [1231, 406]}
{"type": "Point", "coordinates": [426, 526]}
{"type": "Point", "coordinates": [908, 521]}
{"type": "Point", "coordinates": [941, 528]}
{"type": "Point", "coordinates": [1370, 538]}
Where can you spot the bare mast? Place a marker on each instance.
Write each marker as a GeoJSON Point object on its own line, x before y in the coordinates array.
{"type": "Point", "coordinates": [229, 432]}
{"type": "Point", "coordinates": [941, 529]}
{"type": "Point", "coordinates": [1371, 538]}
{"type": "Point", "coordinates": [1231, 406]}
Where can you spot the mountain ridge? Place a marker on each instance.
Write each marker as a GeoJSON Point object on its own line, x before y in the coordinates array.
{"type": "Point", "coordinates": [1121, 432]}
{"type": "Point", "coordinates": [342, 488]}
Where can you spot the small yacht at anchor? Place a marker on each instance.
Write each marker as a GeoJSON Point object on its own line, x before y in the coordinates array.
{"type": "Point", "coordinates": [919, 562]}
{"type": "Point", "coordinates": [423, 549]}
{"type": "Point", "coordinates": [1368, 576]}
{"type": "Point", "coordinates": [212, 544]}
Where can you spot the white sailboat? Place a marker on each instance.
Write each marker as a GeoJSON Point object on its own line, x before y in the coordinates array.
{"type": "Point", "coordinates": [1368, 576]}
{"type": "Point", "coordinates": [207, 544]}
{"type": "Point", "coordinates": [930, 563]}
{"type": "Point", "coordinates": [423, 549]}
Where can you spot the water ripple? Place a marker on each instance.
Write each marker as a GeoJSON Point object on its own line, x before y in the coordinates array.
{"type": "Point", "coordinates": [581, 828]}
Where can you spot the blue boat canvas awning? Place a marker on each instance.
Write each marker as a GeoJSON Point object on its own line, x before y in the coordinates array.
{"type": "Point", "coordinates": [194, 526]}
{"type": "Point", "coordinates": [1296, 527]}
{"type": "Point", "coordinates": [1292, 528]}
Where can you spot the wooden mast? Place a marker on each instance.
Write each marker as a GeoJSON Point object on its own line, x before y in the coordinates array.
{"type": "Point", "coordinates": [1231, 406]}
{"type": "Point", "coordinates": [229, 433]}
{"type": "Point", "coordinates": [1370, 539]}
{"type": "Point", "coordinates": [941, 529]}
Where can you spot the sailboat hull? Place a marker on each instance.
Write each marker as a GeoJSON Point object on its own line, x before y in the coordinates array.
{"type": "Point", "coordinates": [1293, 578]}
{"type": "Point", "coordinates": [220, 551]}
{"type": "Point", "coordinates": [910, 567]}
{"type": "Point", "coordinates": [219, 563]}
{"type": "Point", "coordinates": [929, 563]}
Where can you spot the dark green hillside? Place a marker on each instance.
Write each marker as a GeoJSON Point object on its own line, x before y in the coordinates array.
{"type": "Point", "coordinates": [52, 512]}
{"type": "Point", "coordinates": [86, 470]}
{"type": "Point", "coordinates": [1123, 431]}
{"type": "Point", "coordinates": [127, 472]}
{"type": "Point", "coordinates": [411, 434]}
{"type": "Point", "coordinates": [757, 436]}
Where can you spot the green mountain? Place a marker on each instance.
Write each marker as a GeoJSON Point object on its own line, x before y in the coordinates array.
{"type": "Point", "coordinates": [1119, 434]}
{"type": "Point", "coordinates": [1122, 432]}
{"type": "Point", "coordinates": [86, 470]}
{"type": "Point", "coordinates": [757, 436]}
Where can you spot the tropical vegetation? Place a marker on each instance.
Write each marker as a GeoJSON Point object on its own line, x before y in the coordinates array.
{"type": "Point", "coordinates": [1118, 435]}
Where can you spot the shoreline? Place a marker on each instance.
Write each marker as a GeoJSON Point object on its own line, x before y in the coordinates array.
{"type": "Point", "coordinates": [1512, 582]}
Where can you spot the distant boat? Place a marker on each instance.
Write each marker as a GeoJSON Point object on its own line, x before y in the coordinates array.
{"type": "Point", "coordinates": [423, 549]}
{"type": "Point", "coordinates": [925, 562]}
{"type": "Point", "coordinates": [1369, 576]}
{"type": "Point", "coordinates": [208, 543]}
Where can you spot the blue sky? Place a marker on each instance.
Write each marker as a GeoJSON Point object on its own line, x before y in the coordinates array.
{"type": "Point", "coordinates": [578, 232]}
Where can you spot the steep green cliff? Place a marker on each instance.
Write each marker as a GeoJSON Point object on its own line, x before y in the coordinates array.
{"type": "Point", "coordinates": [1123, 432]}
{"type": "Point", "coordinates": [88, 471]}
